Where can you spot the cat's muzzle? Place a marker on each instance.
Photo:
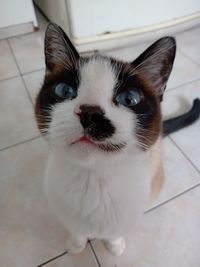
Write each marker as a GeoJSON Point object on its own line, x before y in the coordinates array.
{"type": "Point", "coordinates": [95, 123]}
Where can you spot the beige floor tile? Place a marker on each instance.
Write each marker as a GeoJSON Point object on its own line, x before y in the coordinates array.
{"type": "Point", "coordinates": [184, 71]}
{"type": "Point", "coordinates": [29, 233]}
{"type": "Point", "coordinates": [8, 67]}
{"type": "Point", "coordinates": [34, 82]}
{"type": "Point", "coordinates": [189, 43]}
{"type": "Point", "coordinates": [177, 102]}
{"type": "Point", "coordinates": [168, 236]}
{"type": "Point", "coordinates": [28, 50]}
{"type": "Point", "coordinates": [179, 173]}
{"type": "Point", "coordinates": [17, 116]}
{"type": "Point", "coordinates": [85, 259]}
{"type": "Point", "coordinates": [128, 53]}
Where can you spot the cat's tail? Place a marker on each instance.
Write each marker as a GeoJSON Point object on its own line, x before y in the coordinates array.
{"type": "Point", "coordinates": [184, 120]}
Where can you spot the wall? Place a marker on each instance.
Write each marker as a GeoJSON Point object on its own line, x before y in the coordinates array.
{"type": "Point", "coordinates": [15, 12]}
{"type": "Point", "coordinates": [56, 11]}
{"type": "Point", "coordinates": [94, 17]}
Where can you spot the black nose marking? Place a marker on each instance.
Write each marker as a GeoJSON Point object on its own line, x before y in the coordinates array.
{"type": "Point", "coordinates": [94, 122]}
{"type": "Point", "coordinates": [88, 113]}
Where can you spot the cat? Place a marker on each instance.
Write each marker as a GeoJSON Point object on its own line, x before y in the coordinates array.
{"type": "Point", "coordinates": [102, 118]}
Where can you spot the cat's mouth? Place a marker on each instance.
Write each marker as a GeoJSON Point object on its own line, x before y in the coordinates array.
{"type": "Point", "coordinates": [106, 146]}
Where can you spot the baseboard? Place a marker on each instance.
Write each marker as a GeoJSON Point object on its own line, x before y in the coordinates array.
{"type": "Point", "coordinates": [16, 30]}
{"type": "Point", "coordinates": [116, 40]}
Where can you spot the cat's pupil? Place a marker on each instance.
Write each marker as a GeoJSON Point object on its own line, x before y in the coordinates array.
{"type": "Point", "coordinates": [129, 98]}
{"type": "Point", "coordinates": [134, 100]}
{"type": "Point", "coordinates": [65, 91]}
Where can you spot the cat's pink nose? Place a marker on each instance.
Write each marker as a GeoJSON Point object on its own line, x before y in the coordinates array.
{"type": "Point", "coordinates": [77, 111]}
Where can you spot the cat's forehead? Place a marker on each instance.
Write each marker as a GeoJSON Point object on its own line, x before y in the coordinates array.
{"type": "Point", "coordinates": [97, 76]}
{"type": "Point", "coordinates": [97, 69]}
{"type": "Point", "coordinates": [100, 73]}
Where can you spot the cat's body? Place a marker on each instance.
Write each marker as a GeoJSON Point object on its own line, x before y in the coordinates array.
{"type": "Point", "coordinates": [99, 201]}
{"type": "Point", "coordinates": [103, 121]}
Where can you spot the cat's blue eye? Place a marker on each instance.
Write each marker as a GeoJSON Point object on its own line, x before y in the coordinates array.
{"type": "Point", "coordinates": [65, 91]}
{"type": "Point", "coordinates": [129, 98]}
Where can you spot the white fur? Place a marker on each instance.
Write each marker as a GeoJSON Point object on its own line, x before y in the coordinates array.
{"type": "Point", "coordinates": [95, 194]}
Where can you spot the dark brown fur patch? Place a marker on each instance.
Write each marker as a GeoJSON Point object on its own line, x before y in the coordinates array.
{"type": "Point", "coordinates": [40, 118]}
{"type": "Point", "coordinates": [46, 98]}
{"type": "Point", "coordinates": [148, 112]}
{"type": "Point", "coordinates": [148, 73]}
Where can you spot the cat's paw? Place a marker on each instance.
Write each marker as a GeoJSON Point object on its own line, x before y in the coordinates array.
{"type": "Point", "coordinates": [116, 247]}
{"type": "Point", "coordinates": [75, 245]}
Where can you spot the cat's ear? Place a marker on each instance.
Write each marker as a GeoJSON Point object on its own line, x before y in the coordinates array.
{"type": "Point", "coordinates": [59, 51]}
{"type": "Point", "coordinates": [155, 63]}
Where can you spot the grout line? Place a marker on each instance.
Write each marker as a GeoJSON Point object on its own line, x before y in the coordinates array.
{"type": "Point", "coordinates": [95, 255]}
{"type": "Point", "coordinates": [32, 71]}
{"type": "Point", "coordinates": [27, 91]}
{"type": "Point", "coordinates": [193, 61]}
{"type": "Point", "coordinates": [40, 69]}
{"type": "Point", "coordinates": [15, 59]}
{"type": "Point", "coordinates": [183, 84]}
{"type": "Point", "coordinates": [20, 143]}
{"type": "Point", "coordinates": [10, 78]}
{"type": "Point", "coordinates": [172, 198]}
{"type": "Point", "coordinates": [185, 191]}
{"type": "Point", "coordinates": [65, 253]}
{"type": "Point", "coordinates": [184, 154]}
{"type": "Point", "coordinates": [52, 259]}
{"type": "Point", "coordinates": [20, 75]}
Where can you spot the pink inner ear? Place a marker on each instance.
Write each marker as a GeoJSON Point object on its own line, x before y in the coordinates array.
{"type": "Point", "coordinates": [155, 63]}
{"type": "Point", "coordinates": [59, 51]}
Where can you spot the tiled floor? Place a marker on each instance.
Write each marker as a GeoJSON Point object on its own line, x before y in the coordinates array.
{"type": "Point", "coordinates": [30, 236]}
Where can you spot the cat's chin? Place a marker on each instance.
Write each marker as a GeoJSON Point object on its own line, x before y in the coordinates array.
{"type": "Point", "coordinates": [85, 153]}
{"type": "Point", "coordinates": [106, 147]}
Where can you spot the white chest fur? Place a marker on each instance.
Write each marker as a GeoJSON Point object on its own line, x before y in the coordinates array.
{"type": "Point", "coordinates": [103, 200]}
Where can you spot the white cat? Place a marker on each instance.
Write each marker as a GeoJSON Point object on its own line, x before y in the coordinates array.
{"type": "Point", "coordinates": [103, 121]}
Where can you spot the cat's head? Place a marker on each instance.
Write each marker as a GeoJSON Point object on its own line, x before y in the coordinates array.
{"type": "Point", "coordinates": [97, 105]}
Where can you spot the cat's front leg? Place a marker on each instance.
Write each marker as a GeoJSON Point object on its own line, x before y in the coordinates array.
{"type": "Point", "coordinates": [75, 244]}
{"type": "Point", "coordinates": [116, 246]}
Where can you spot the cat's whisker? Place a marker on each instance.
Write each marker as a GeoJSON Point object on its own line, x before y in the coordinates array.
{"type": "Point", "coordinates": [94, 192]}
{"type": "Point", "coordinates": [145, 139]}
{"type": "Point", "coordinates": [61, 45]}
{"type": "Point", "coordinates": [59, 61]}
{"type": "Point", "coordinates": [146, 131]}
{"type": "Point", "coordinates": [150, 58]}
{"type": "Point", "coordinates": [142, 145]}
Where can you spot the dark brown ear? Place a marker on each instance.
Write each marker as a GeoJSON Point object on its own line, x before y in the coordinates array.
{"type": "Point", "coordinates": [59, 51]}
{"type": "Point", "coordinates": [155, 63]}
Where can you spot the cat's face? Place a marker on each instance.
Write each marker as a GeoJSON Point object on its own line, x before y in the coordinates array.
{"type": "Point", "coordinates": [100, 106]}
